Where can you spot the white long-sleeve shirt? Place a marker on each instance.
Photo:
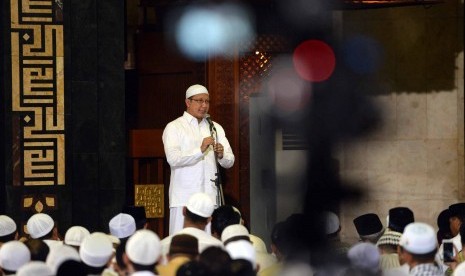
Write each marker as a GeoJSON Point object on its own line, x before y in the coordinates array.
{"type": "Point", "coordinates": [192, 170]}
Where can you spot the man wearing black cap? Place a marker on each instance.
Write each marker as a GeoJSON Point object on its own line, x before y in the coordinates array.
{"type": "Point", "coordinates": [456, 217]}
{"type": "Point", "coordinates": [399, 217]}
{"type": "Point", "coordinates": [369, 227]}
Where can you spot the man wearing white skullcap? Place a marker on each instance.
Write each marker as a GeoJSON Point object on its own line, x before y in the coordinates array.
{"type": "Point", "coordinates": [364, 257]}
{"type": "Point", "coordinates": [41, 226]}
{"type": "Point", "coordinates": [75, 235]}
{"type": "Point", "coordinates": [197, 215]}
{"type": "Point", "coordinates": [143, 250]}
{"type": "Point", "coordinates": [332, 228]}
{"type": "Point", "coordinates": [242, 249]}
{"type": "Point", "coordinates": [13, 255]}
{"type": "Point", "coordinates": [8, 230]}
{"type": "Point", "coordinates": [194, 147]}
{"type": "Point", "coordinates": [59, 254]}
{"type": "Point", "coordinates": [34, 268]}
{"type": "Point", "coordinates": [122, 226]}
{"type": "Point", "coordinates": [95, 252]}
{"type": "Point", "coordinates": [418, 247]}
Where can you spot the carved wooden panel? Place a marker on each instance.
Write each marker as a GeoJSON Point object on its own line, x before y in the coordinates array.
{"type": "Point", "coordinates": [222, 85]}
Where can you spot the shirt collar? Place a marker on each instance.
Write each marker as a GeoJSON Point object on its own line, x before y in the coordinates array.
{"type": "Point", "coordinates": [189, 118]}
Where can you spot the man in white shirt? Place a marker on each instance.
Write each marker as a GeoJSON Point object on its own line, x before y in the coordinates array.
{"type": "Point", "coordinates": [193, 148]}
{"type": "Point", "coordinates": [198, 213]}
{"type": "Point", "coordinates": [417, 247]}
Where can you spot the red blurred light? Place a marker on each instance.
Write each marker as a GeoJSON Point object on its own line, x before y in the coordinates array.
{"type": "Point", "coordinates": [314, 60]}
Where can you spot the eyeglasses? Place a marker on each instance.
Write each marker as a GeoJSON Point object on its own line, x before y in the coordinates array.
{"type": "Point", "coordinates": [199, 101]}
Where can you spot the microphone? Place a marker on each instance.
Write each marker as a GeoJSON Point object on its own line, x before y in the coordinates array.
{"type": "Point", "coordinates": [210, 122]}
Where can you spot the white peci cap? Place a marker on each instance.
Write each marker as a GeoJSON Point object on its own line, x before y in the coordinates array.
{"type": "Point", "coordinates": [233, 231]}
{"type": "Point", "coordinates": [242, 250]}
{"type": "Point", "coordinates": [331, 222]}
{"type": "Point", "coordinates": [258, 244]}
{"type": "Point", "coordinates": [96, 249]}
{"type": "Point", "coordinates": [418, 238]}
{"type": "Point", "coordinates": [59, 254]}
{"type": "Point", "coordinates": [13, 255]}
{"type": "Point", "coordinates": [35, 268]}
{"type": "Point", "coordinates": [365, 255]}
{"type": "Point", "coordinates": [122, 225]}
{"type": "Point", "coordinates": [201, 204]}
{"type": "Point", "coordinates": [75, 235]}
{"type": "Point", "coordinates": [39, 225]}
{"type": "Point", "coordinates": [7, 226]}
{"type": "Point", "coordinates": [143, 247]}
{"type": "Point", "coordinates": [195, 90]}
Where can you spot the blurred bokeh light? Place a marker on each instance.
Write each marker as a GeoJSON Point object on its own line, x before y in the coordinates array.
{"type": "Point", "coordinates": [314, 60]}
{"type": "Point", "coordinates": [362, 54]}
{"type": "Point", "coordinates": [287, 94]}
{"type": "Point", "coordinates": [206, 31]}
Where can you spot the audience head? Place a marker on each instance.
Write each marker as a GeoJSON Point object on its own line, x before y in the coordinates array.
{"type": "Point", "coordinates": [184, 244]}
{"type": "Point", "coordinates": [139, 215]}
{"type": "Point", "coordinates": [201, 204]}
{"type": "Point", "coordinates": [199, 209]}
{"type": "Point", "coordinates": [389, 241]}
{"type": "Point", "coordinates": [38, 248]}
{"type": "Point", "coordinates": [399, 217]}
{"type": "Point", "coordinates": [122, 226]}
{"type": "Point", "coordinates": [40, 226]}
{"type": "Point", "coordinates": [242, 267]}
{"type": "Point", "coordinates": [369, 227]}
{"type": "Point", "coordinates": [35, 268]}
{"type": "Point", "coordinates": [443, 226]}
{"type": "Point", "coordinates": [59, 254]}
{"type": "Point", "coordinates": [72, 268]}
{"type": "Point", "coordinates": [365, 257]}
{"type": "Point", "coordinates": [194, 268]}
{"type": "Point", "coordinates": [258, 244]}
{"type": "Point", "coordinates": [222, 217]}
{"type": "Point", "coordinates": [143, 250]}
{"type": "Point", "coordinates": [7, 229]}
{"type": "Point", "coordinates": [456, 217]}
{"type": "Point", "coordinates": [75, 235]}
{"type": "Point", "coordinates": [242, 249]}
{"type": "Point", "coordinates": [235, 232]}
{"type": "Point", "coordinates": [418, 243]}
{"type": "Point", "coordinates": [332, 224]}
{"type": "Point", "coordinates": [95, 252]}
{"type": "Point", "coordinates": [13, 255]}
{"type": "Point", "coordinates": [216, 260]}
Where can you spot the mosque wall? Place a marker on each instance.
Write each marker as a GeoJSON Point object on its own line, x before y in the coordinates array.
{"type": "Point", "coordinates": [416, 157]}
{"type": "Point", "coordinates": [63, 107]}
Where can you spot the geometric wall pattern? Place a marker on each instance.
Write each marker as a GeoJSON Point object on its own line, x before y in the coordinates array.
{"type": "Point", "coordinates": [38, 92]}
